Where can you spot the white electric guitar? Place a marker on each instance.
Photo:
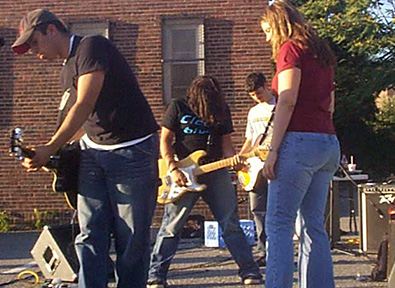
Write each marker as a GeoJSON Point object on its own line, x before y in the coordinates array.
{"type": "Point", "coordinates": [169, 191]}
{"type": "Point", "coordinates": [248, 178]}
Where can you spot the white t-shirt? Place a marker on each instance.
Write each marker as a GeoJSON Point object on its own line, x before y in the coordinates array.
{"type": "Point", "coordinates": [258, 118]}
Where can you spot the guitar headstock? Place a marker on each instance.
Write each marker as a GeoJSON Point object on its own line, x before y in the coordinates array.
{"type": "Point", "coordinates": [261, 152]}
{"type": "Point", "coordinates": [16, 141]}
{"type": "Point", "coordinates": [17, 149]}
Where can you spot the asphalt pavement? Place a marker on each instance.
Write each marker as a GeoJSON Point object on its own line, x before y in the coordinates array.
{"type": "Point", "coordinates": [194, 265]}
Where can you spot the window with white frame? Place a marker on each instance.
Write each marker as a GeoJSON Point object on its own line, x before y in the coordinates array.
{"type": "Point", "coordinates": [183, 55]}
{"type": "Point", "coordinates": [101, 27]}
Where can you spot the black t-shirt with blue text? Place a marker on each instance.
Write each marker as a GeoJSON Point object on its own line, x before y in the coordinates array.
{"type": "Point", "coordinates": [192, 134]}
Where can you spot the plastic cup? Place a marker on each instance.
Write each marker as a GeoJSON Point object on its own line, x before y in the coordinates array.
{"type": "Point", "coordinates": [352, 167]}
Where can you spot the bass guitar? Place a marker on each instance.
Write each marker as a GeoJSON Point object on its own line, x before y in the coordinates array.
{"type": "Point", "coordinates": [64, 165]}
{"type": "Point", "coordinates": [169, 191]}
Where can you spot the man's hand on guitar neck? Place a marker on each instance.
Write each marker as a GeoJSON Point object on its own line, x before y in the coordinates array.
{"type": "Point", "coordinates": [41, 157]}
{"type": "Point", "coordinates": [239, 163]}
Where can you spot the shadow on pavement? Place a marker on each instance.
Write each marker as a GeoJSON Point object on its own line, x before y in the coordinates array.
{"type": "Point", "coordinates": [17, 245]}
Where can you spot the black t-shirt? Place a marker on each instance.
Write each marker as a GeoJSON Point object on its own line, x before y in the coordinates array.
{"type": "Point", "coordinates": [192, 134]}
{"type": "Point", "coordinates": [121, 112]}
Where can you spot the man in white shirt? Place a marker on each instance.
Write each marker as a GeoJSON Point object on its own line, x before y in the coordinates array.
{"type": "Point", "coordinates": [259, 122]}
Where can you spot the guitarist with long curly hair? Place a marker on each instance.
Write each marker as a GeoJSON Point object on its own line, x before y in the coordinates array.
{"type": "Point", "coordinates": [202, 122]}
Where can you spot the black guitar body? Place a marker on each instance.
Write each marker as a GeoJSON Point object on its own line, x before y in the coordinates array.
{"type": "Point", "coordinates": [68, 163]}
{"type": "Point", "coordinates": [64, 165]}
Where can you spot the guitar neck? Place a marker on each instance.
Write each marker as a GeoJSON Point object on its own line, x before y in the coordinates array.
{"type": "Point", "coordinates": [19, 151]}
{"type": "Point", "coordinates": [26, 152]}
{"type": "Point", "coordinates": [206, 168]}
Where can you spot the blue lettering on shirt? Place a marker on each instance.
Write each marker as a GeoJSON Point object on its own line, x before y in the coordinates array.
{"type": "Point", "coordinates": [186, 119]}
{"type": "Point", "coordinates": [194, 125]}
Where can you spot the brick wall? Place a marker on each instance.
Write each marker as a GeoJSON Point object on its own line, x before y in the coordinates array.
{"type": "Point", "coordinates": [29, 89]}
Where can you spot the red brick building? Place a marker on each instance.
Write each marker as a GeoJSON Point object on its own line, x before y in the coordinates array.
{"type": "Point", "coordinates": [166, 43]}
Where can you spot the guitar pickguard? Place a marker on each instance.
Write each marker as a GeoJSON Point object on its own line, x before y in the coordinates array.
{"type": "Point", "coordinates": [175, 191]}
{"type": "Point", "coordinates": [249, 178]}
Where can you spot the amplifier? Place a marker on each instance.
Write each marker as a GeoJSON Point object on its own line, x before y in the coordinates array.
{"type": "Point", "coordinates": [391, 242]}
{"type": "Point", "coordinates": [375, 201]}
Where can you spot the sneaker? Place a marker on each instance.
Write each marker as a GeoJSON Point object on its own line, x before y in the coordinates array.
{"type": "Point", "coordinates": [156, 283]}
{"type": "Point", "coordinates": [261, 261]}
{"type": "Point", "coordinates": [252, 279]}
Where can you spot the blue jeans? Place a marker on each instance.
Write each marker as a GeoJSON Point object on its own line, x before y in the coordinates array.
{"type": "Point", "coordinates": [305, 166]}
{"type": "Point", "coordinates": [118, 191]}
{"type": "Point", "coordinates": [221, 198]}
{"type": "Point", "coordinates": [258, 204]}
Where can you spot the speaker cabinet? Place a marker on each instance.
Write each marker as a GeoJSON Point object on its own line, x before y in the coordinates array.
{"type": "Point", "coordinates": [391, 244]}
{"type": "Point", "coordinates": [55, 254]}
{"type": "Point", "coordinates": [375, 200]}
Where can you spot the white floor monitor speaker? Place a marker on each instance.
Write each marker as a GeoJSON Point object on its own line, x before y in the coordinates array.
{"type": "Point", "coordinates": [55, 254]}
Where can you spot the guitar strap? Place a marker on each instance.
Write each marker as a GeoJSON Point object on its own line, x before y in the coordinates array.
{"type": "Point", "coordinates": [67, 77]}
{"type": "Point", "coordinates": [264, 135]}
{"type": "Point", "coordinates": [211, 141]}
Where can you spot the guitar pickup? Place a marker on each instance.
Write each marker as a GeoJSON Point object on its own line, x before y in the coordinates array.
{"type": "Point", "coordinates": [164, 194]}
{"type": "Point", "coordinates": [168, 180]}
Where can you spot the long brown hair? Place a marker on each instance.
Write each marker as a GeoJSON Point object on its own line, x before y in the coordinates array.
{"type": "Point", "coordinates": [288, 24]}
{"type": "Point", "coordinates": [206, 100]}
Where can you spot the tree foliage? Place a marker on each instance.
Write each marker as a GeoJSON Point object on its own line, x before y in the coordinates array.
{"type": "Point", "coordinates": [362, 34]}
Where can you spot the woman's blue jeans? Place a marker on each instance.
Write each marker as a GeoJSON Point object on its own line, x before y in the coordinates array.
{"type": "Point", "coordinates": [118, 191]}
{"type": "Point", "coordinates": [221, 198]}
{"type": "Point", "coordinates": [305, 166]}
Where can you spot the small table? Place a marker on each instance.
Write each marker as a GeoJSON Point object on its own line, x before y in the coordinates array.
{"type": "Point", "coordinates": [333, 209]}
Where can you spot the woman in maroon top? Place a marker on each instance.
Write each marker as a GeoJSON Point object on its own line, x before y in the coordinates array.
{"type": "Point", "coordinates": [304, 152]}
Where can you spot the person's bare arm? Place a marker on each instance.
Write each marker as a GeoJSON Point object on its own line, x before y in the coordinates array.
{"type": "Point", "coordinates": [247, 146]}
{"type": "Point", "coordinates": [166, 149]}
{"type": "Point", "coordinates": [88, 90]}
{"type": "Point", "coordinates": [228, 151]}
{"type": "Point", "coordinates": [167, 152]}
{"type": "Point", "coordinates": [227, 146]}
{"type": "Point", "coordinates": [77, 136]}
{"type": "Point", "coordinates": [288, 89]}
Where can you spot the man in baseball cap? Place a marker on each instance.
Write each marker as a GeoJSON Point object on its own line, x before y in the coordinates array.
{"type": "Point", "coordinates": [29, 23]}
{"type": "Point", "coordinates": [108, 108]}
